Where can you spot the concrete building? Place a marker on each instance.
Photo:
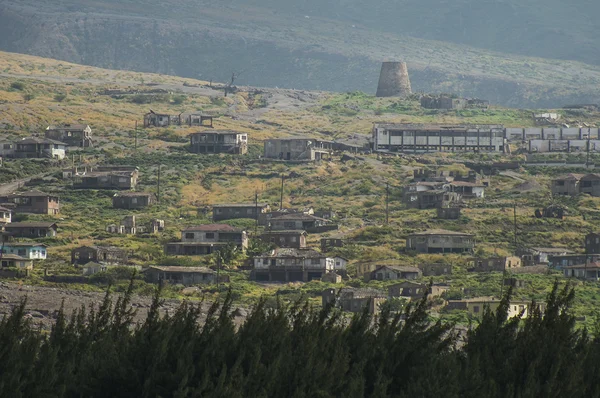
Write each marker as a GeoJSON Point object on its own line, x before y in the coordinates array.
{"type": "Point", "coordinates": [132, 200]}
{"type": "Point", "coordinates": [560, 262]}
{"type": "Point", "coordinates": [206, 239]}
{"type": "Point", "coordinates": [76, 135]}
{"type": "Point", "coordinates": [153, 119]}
{"type": "Point", "coordinates": [15, 261]}
{"type": "Point", "coordinates": [436, 269]}
{"type": "Point", "coordinates": [295, 239]}
{"type": "Point", "coordinates": [441, 241]}
{"type": "Point", "coordinates": [34, 202]}
{"type": "Point", "coordinates": [99, 254]}
{"type": "Point", "coordinates": [27, 250]}
{"type": "Point", "coordinates": [498, 264]}
{"type": "Point", "coordinates": [239, 210]}
{"type": "Point", "coordinates": [413, 290]}
{"type": "Point", "coordinates": [566, 185]}
{"type": "Point", "coordinates": [448, 213]}
{"type": "Point", "coordinates": [592, 243]}
{"type": "Point", "coordinates": [298, 221]}
{"type": "Point", "coordinates": [539, 255]}
{"type": "Point", "coordinates": [354, 300]}
{"type": "Point", "coordinates": [429, 195]}
{"type": "Point", "coordinates": [108, 178]}
{"type": "Point", "coordinates": [230, 142]}
{"type": "Point", "coordinates": [291, 265]}
{"type": "Point", "coordinates": [393, 272]}
{"type": "Point", "coordinates": [421, 138]}
{"type": "Point", "coordinates": [32, 229]}
{"type": "Point", "coordinates": [5, 215]}
{"type": "Point", "coordinates": [186, 276]}
{"type": "Point", "coordinates": [35, 147]}
{"type": "Point", "coordinates": [588, 271]}
{"type": "Point", "coordinates": [298, 149]}
{"type": "Point", "coordinates": [476, 306]}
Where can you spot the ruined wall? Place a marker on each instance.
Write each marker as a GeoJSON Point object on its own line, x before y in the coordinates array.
{"type": "Point", "coordinates": [394, 80]}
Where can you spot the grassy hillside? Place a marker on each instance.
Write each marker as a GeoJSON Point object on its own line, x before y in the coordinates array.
{"type": "Point", "coordinates": [35, 92]}
{"type": "Point", "coordinates": [280, 46]}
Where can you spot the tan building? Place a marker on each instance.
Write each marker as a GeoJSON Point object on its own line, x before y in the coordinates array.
{"type": "Point", "coordinates": [498, 264]}
{"type": "Point", "coordinates": [79, 135]}
{"type": "Point", "coordinates": [230, 142]}
{"type": "Point", "coordinates": [477, 305]}
{"type": "Point", "coordinates": [34, 202]}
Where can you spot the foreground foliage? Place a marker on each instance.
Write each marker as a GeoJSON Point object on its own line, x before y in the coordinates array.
{"type": "Point", "coordinates": [295, 351]}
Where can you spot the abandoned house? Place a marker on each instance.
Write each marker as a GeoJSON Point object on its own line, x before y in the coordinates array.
{"type": "Point", "coordinates": [442, 102]}
{"type": "Point", "coordinates": [588, 271]}
{"type": "Point", "coordinates": [560, 262]}
{"type": "Point", "coordinates": [298, 149]}
{"type": "Point", "coordinates": [126, 180]}
{"type": "Point", "coordinates": [239, 210]}
{"type": "Point", "coordinates": [489, 264]}
{"type": "Point", "coordinates": [428, 195]}
{"type": "Point", "coordinates": [415, 290]}
{"type": "Point", "coordinates": [27, 250]}
{"type": "Point", "coordinates": [36, 147]}
{"type": "Point", "coordinates": [132, 200]}
{"type": "Point", "coordinates": [539, 255]}
{"type": "Point", "coordinates": [300, 221]}
{"type": "Point", "coordinates": [393, 272]}
{"type": "Point", "coordinates": [265, 218]}
{"type": "Point", "coordinates": [34, 202]}
{"type": "Point", "coordinates": [186, 276]}
{"type": "Point", "coordinates": [77, 135]}
{"type": "Point", "coordinates": [291, 265]}
{"type": "Point", "coordinates": [448, 213]}
{"type": "Point", "coordinates": [354, 299]}
{"type": "Point", "coordinates": [468, 190]}
{"type": "Point", "coordinates": [230, 142]}
{"type": "Point", "coordinates": [5, 215]}
{"type": "Point", "coordinates": [295, 239]}
{"type": "Point", "coordinates": [441, 241]}
{"type": "Point", "coordinates": [436, 269]}
{"type": "Point", "coordinates": [206, 239]}
{"type": "Point", "coordinates": [32, 229]}
{"type": "Point", "coordinates": [99, 254]}
{"type": "Point", "coordinates": [592, 243]}
{"type": "Point", "coordinates": [420, 138]}
{"type": "Point", "coordinates": [153, 119]}
{"type": "Point", "coordinates": [566, 185]}
{"type": "Point", "coordinates": [15, 261]}
{"type": "Point", "coordinates": [332, 242]}
{"type": "Point", "coordinates": [7, 149]}
{"type": "Point", "coordinates": [477, 305]}
{"type": "Point", "coordinates": [590, 184]}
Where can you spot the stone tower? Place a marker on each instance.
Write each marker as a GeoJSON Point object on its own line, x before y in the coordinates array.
{"type": "Point", "coordinates": [393, 80]}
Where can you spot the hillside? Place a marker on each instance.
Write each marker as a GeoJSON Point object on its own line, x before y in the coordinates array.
{"type": "Point", "coordinates": [36, 92]}
{"type": "Point", "coordinates": [311, 45]}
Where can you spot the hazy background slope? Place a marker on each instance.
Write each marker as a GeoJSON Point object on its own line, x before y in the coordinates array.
{"type": "Point", "coordinates": [334, 45]}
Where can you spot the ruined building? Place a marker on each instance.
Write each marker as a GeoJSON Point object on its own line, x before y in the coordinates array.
{"type": "Point", "coordinates": [393, 80]}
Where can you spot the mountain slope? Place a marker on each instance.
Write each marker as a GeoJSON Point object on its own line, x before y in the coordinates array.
{"type": "Point", "coordinates": [279, 47]}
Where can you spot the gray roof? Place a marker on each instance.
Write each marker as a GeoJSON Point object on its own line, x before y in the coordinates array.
{"type": "Point", "coordinates": [440, 232]}
{"type": "Point", "coordinates": [292, 252]}
{"type": "Point", "coordinates": [399, 268]}
{"type": "Point", "coordinates": [361, 292]}
{"type": "Point", "coordinates": [241, 205]}
{"type": "Point", "coordinates": [202, 270]}
{"type": "Point", "coordinates": [30, 225]}
{"type": "Point", "coordinates": [286, 232]}
{"type": "Point", "coordinates": [39, 140]}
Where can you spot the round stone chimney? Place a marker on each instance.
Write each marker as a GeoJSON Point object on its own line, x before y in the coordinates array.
{"type": "Point", "coordinates": [393, 80]}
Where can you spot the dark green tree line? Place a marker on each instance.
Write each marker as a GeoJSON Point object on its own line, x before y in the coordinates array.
{"type": "Point", "coordinates": [298, 351]}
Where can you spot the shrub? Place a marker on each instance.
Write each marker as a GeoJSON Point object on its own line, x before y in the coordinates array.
{"type": "Point", "coordinates": [17, 86]}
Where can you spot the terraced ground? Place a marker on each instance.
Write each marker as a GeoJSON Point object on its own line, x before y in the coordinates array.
{"type": "Point", "coordinates": [35, 92]}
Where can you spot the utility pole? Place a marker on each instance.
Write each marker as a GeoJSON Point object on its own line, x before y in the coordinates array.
{"type": "Point", "coordinates": [515, 225]}
{"type": "Point", "coordinates": [135, 145]}
{"type": "Point", "coordinates": [256, 212]}
{"type": "Point", "coordinates": [387, 203]}
{"type": "Point", "coordinates": [281, 199]}
{"type": "Point", "coordinates": [218, 269]}
{"type": "Point", "coordinates": [158, 186]}
{"type": "Point", "coordinates": [587, 160]}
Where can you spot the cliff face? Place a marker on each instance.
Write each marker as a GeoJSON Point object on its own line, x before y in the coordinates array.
{"type": "Point", "coordinates": [290, 52]}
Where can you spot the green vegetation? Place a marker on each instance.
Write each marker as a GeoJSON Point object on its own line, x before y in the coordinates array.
{"type": "Point", "coordinates": [294, 350]}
